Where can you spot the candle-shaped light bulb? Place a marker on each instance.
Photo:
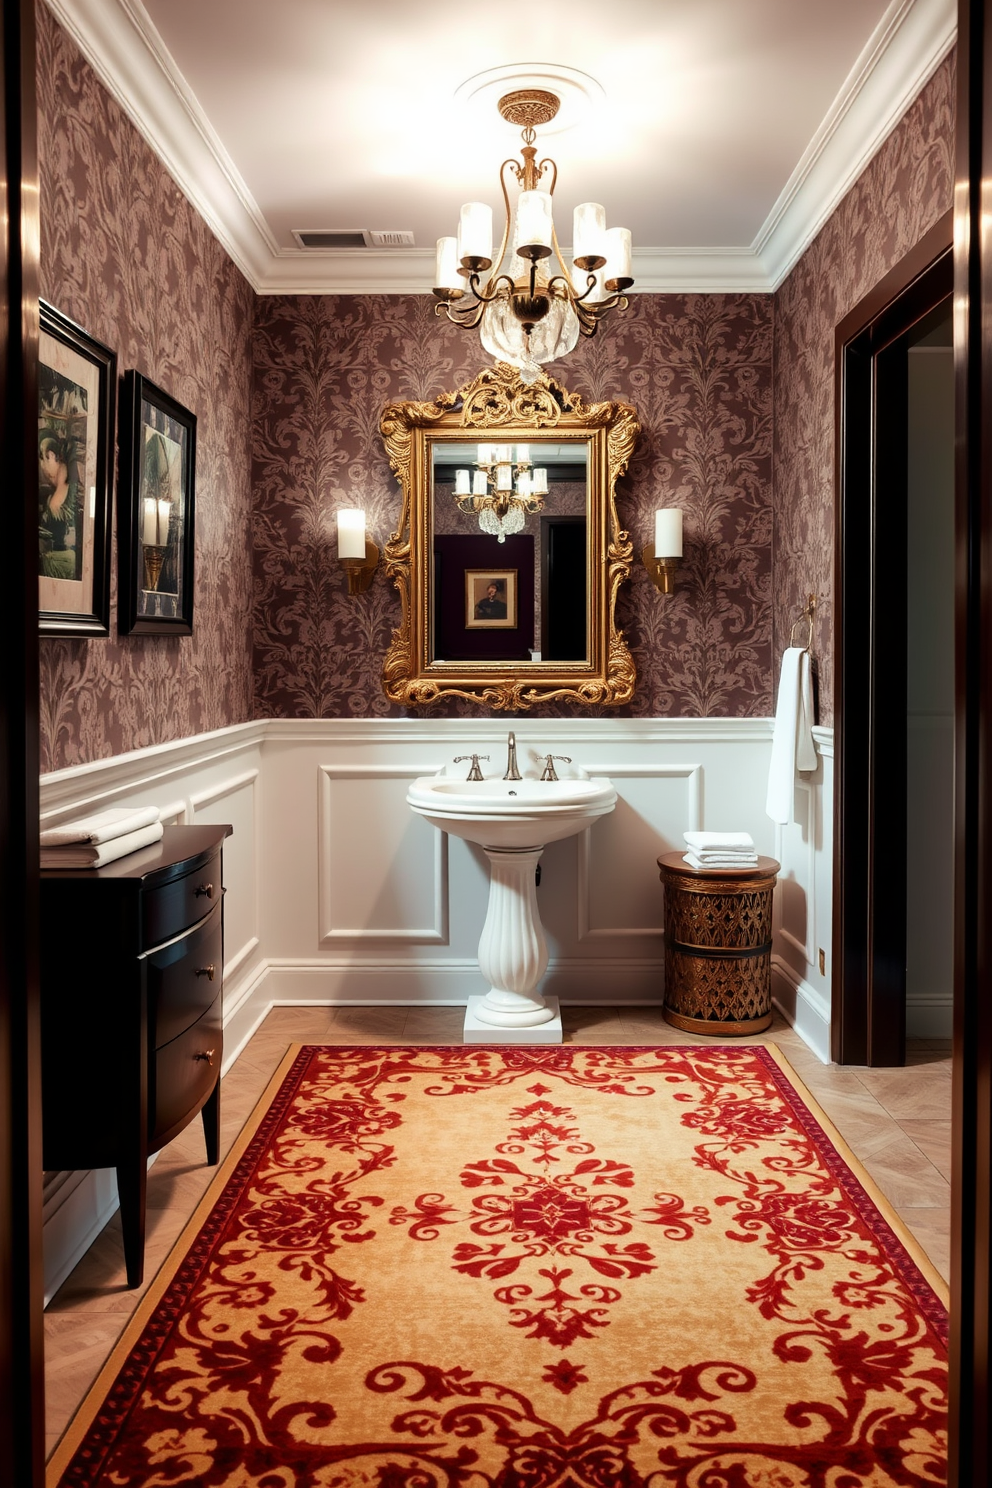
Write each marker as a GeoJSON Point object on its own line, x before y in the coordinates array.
{"type": "Point", "coordinates": [480, 483]}
{"type": "Point", "coordinates": [588, 231]}
{"type": "Point", "coordinates": [523, 484]}
{"type": "Point", "coordinates": [462, 487]}
{"type": "Point", "coordinates": [618, 253]}
{"type": "Point", "coordinates": [668, 533]}
{"type": "Point", "coordinates": [539, 481]}
{"type": "Point", "coordinates": [475, 233]}
{"type": "Point", "coordinates": [351, 532]}
{"type": "Point", "coordinates": [149, 522]}
{"type": "Point", "coordinates": [446, 275]}
{"type": "Point", "coordinates": [504, 478]}
{"type": "Point", "coordinates": [534, 220]}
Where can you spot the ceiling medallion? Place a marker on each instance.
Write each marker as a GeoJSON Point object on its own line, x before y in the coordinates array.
{"type": "Point", "coordinates": [527, 316]}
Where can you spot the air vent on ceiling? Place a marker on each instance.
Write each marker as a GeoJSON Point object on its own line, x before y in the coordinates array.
{"type": "Point", "coordinates": [322, 240]}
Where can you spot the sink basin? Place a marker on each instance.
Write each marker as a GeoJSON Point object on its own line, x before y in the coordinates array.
{"type": "Point", "coordinates": [512, 820]}
{"type": "Point", "coordinates": [511, 814]}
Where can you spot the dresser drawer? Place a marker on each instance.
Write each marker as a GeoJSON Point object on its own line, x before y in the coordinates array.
{"type": "Point", "coordinates": [169, 910]}
{"type": "Point", "coordinates": [184, 978]}
{"type": "Point", "coordinates": [182, 1074]}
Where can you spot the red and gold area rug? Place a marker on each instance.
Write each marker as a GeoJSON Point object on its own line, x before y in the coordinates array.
{"type": "Point", "coordinates": [532, 1268]}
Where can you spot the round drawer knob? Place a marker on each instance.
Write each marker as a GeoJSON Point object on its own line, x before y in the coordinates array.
{"type": "Point", "coordinates": [207, 971]}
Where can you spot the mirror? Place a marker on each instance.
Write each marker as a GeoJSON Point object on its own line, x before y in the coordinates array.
{"type": "Point", "coordinates": [509, 552]}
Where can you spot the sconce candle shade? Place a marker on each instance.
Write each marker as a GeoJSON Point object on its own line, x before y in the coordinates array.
{"type": "Point", "coordinates": [351, 532]}
{"type": "Point", "coordinates": [668, 533]}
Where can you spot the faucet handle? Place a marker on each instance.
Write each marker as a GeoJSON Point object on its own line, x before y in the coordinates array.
{"type": "Point", "coordinates": [550, 773]}
{"type": "Point", "coordinates": [474, 773]}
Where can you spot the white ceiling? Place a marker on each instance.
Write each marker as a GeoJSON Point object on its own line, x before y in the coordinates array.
{"type": "Point", "coordinates": [726, 130]}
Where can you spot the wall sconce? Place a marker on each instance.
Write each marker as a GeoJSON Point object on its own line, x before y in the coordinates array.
{"type": "Point", "coordinates": [664, 557]}
{"type": "Point", "coordinates": [357, 554]}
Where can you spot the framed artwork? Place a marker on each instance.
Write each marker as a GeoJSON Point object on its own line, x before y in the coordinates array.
{"type": "Point", "coordinates": [77, 387]}
{"type": "Point", "coordinates": [155, 511]}
{"type": "Point", "coordinates": [490, 599]}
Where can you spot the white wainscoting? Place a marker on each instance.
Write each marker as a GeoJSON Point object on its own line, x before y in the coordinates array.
{"type": "Point", "coordinates": [337, 893]}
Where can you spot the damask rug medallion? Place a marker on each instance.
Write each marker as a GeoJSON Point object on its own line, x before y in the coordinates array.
{"type": "Point", "coordinates": [560, 1267]}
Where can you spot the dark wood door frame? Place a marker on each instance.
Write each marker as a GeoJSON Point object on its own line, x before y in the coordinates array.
{"type": "Point", "coordinates": [971, 1185]}
{"type": "Point", "coordinates": [869, 929]}
{"type": "Point", "coordinates": [21, 1341]}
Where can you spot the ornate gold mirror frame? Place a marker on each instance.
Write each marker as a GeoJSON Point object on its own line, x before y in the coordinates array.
{"type": "Point", "coordinates": [496, 401]}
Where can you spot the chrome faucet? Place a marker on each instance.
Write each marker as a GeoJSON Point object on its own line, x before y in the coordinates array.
{"type": "Point", "coordinates": [512, 773]}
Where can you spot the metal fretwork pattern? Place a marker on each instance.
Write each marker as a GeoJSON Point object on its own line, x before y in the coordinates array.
{"type": "Point", "coordinates": [718, 941]}
{"type": "Point", "coordinates": [734, 917]}
{"type": "Point", "coordinates": [717, 989]}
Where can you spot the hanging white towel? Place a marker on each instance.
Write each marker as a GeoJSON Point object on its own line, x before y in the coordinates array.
{"type": "Point", "coordinates": [792, 742]}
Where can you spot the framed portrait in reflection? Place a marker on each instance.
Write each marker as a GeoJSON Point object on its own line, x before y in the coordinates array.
{"type": "Point", "coordinates": [155, 511]}
{"type": "Point", "coordinates": [490, 599]}
{"type": "Point", "coordinates": [77, 387]}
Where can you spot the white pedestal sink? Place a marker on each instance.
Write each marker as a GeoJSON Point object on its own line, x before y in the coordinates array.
{"type": "Point", "coordinates": [512, 820]}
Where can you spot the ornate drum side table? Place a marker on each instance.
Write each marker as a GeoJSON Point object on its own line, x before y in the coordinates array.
{"type": "Point", "coordinates": [718, 942]}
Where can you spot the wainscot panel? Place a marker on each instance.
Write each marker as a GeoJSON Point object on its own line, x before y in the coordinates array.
{"type": "Point", "coordinates": [337, 893]}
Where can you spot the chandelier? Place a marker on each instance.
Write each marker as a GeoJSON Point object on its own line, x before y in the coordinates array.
{"type": "Point", "coordinates": [503, 489]}
{"type": "Point", "coordinates": [527, 314]}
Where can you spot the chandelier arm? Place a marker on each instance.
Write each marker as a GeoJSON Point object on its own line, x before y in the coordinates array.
{"type": "Point", "coordinates": [468, 316]}
{"type": "Point", "coordinates": [564, 267]}
{"type": "Point", "coordinates": [554, 173]}
{"type": "Point", "coordinates": [506, 218]}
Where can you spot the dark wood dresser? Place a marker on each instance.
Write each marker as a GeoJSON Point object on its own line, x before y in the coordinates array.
{"type": "Point", "coordinates": [132, 959]}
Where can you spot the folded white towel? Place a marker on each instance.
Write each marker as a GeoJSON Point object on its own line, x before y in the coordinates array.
{"type": "Point", "coordinates": [792, 742]}
{"type": "Point", "coordinates": [97, 854]}
{"type": "Point", "coordinates": [102, 827]}
{"type": "Point", "coordinates": [701, 864]}
{"type": "Point", "coordinates": [716, 841]}
{"type": "Point", "coordinates": [734, 857]}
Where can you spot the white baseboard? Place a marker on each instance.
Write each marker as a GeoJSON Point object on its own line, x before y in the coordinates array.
{"type": "Point", "coordinates": [802, 1006]}
{"type": "Point", "coordinates": [929, 1017]}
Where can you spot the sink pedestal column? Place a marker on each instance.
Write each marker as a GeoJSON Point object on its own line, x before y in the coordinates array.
{"type": "Point", "coordinates": [513, 954]}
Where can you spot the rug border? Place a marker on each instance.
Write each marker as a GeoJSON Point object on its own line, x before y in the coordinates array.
{"type": "Point", "coordinates": [884, 1206]}
{"type": "Point", "coordinates": [90, 1405]}
{"type": "Point", "coordinates": [91, 1402]}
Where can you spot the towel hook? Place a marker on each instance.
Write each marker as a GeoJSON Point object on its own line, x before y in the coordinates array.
{"type": "Point", "coordinates": [806, 618]}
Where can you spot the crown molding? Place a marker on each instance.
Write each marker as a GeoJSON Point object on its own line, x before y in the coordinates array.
{"type": "Point", "coordinates": [908, 45]}
{"type": "Point", "coordinates": [121, 44]}
{"type": "Point", "coordinates": [411, 271]}
{"type": "Point", "coordinates": [119, 40]}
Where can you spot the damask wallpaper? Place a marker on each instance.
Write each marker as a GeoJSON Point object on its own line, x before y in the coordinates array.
{"type": "Point", "coordinates": [125, 255]}
{"type": "Point", "coordinates": [288, 392]}
{"type": "Point", "coordinates": [699, 370]}
{"type": "Point", "coordinates": [898, 197]}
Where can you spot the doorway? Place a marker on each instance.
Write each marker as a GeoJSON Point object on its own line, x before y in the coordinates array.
{"type": "Point", "coordinates": [895, 659]}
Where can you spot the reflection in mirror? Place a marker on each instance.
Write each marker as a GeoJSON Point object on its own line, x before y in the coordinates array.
{"type": "Point", "coordinates": [510, 551]}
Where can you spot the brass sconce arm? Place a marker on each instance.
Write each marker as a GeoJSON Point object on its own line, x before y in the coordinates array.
{"type": "Point", "coordinates": [360, 570]}
{"type": "Point", "coordinates": [661, 571]}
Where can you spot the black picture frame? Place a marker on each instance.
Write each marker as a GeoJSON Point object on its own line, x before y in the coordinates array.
{"type": "Point", "coordinates": [155, 511]}
{"type": "Point", "coordinates": [77, 391]}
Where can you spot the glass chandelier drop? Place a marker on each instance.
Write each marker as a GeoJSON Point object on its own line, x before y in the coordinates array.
{"type": "Point", "coordinates": [526, 314]}
{"type": "Point", "coordinates": [502, 490]}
